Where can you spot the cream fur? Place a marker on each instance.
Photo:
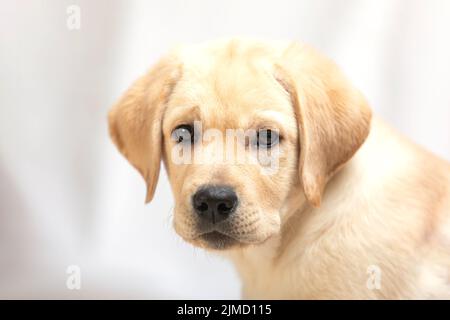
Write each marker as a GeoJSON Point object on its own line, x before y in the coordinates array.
{"type": "Point", "coordinates": [400, 224]}
{"type": "Point", "coordinates": [350, 194]}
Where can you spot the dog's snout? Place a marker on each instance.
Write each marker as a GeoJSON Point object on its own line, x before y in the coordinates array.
{"type": "Point", "coordinates": [215, 203]}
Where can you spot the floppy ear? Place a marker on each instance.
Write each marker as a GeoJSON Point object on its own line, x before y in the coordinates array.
{"type": "Point", "coordinates": [333, 117]}
{"type": "Point", "coordinates": [135, 121]}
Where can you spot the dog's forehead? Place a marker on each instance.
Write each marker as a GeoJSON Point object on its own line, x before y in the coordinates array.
{"type": "Point", "coordinates": [229, 88]}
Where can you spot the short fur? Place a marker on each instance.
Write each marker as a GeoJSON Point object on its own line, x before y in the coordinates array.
{"type": "Point", "coordinates": [350, 193]}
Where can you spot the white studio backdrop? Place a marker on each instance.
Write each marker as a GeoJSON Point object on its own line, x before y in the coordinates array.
{"type": "Point", "coordinates": [66, 195]}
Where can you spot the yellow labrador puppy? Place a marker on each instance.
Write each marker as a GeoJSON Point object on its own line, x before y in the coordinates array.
{"type": "Point", "coordinates": [315, 198]}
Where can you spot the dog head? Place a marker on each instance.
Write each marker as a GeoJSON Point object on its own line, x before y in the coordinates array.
{"type": "Point", "coordinates": [239, 125]}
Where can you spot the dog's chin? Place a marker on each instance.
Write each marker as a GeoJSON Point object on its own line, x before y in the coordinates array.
{"type": "Point", "coordinates": [219, 238]}
{"type": "Point", "coordinates": [216, 240]}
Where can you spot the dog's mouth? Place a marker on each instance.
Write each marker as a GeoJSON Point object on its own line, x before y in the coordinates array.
{"type": "Point", "coordinates": [218, 241]}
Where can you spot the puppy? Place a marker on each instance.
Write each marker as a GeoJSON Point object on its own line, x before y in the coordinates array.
{"type": "Point", "coordinates": [345, 208]}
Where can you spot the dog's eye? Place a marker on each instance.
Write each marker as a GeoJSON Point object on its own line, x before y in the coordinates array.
{"type": "Point", "coordinates": [267, 138]}
{"type": "Point", "coordinates": [183, 133]}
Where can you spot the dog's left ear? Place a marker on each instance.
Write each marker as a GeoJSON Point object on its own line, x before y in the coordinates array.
{"type": "Point", "coordinates": [333, 117]}
{"type": "Point", "coordinates": [135, 121]}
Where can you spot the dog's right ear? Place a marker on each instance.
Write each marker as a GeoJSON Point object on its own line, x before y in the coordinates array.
{"type": "Point", "coordinates": [333, 117]}
{"type": "Point", "coordinates": [135, 121]}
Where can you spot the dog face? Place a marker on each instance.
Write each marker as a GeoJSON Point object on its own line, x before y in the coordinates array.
{"type": "Point", "coordinates": [225, 193]}
{"type": "Point", "coordinates": [239, 125]}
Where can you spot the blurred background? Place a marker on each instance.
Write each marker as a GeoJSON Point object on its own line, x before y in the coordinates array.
{"type": "Point", "coordinates": [68, 198]}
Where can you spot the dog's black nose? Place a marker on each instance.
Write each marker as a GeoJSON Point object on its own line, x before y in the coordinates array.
{"type": "Point", "coordinates": [215, 203]}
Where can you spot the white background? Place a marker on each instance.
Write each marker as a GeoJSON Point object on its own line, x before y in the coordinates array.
{"type": "Point", "coordinates": [66, 195]}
